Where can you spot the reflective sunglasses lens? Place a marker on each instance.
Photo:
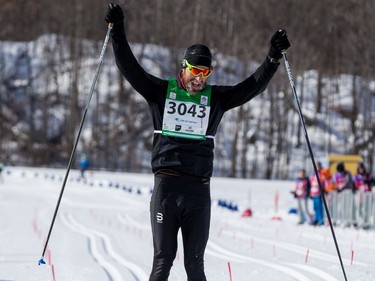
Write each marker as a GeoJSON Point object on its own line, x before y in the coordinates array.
{"type": "Point", "coordinates": [197, 71]}
{"type": "Point", "coordinates": [206, 72]}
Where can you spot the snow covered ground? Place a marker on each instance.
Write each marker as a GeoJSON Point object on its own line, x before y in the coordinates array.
{"type": "Point", "coordinates": [102, 232]}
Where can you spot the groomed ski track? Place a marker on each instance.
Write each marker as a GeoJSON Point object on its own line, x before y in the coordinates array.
{"type": "Point", "coordinates": [103, 233]}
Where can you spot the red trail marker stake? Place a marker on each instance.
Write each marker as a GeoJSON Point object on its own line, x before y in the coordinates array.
{"type": "Point", "coordinates": [307, 255]}
{"type": "Point", "coordinates": [230, 271]}
{"type": "Point", "coordinates": [276, 202]}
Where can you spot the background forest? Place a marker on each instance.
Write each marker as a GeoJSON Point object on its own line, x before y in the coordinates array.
{"type": "Point", "coordinates": [49, 51]}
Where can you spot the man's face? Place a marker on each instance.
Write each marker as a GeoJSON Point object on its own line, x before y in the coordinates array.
{"type": "Point", "coordinates": [194, 83]}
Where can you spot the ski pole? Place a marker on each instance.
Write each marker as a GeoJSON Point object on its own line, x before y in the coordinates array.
{"type": "Point", "coordinates": [110, 25]}
{"type": "Point", "coordinates": [289, 72]}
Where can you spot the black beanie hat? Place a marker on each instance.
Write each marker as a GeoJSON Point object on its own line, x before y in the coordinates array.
{"type": "Point", "coordinates": [198, 54]}
{"type": "Point", "coordinates": [361, 165]}
{"type": "Point", "coordinates": [340, 166]}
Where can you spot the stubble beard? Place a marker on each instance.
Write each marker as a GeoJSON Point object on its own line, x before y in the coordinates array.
{"type": "Point", "coordinates": [194, 90]}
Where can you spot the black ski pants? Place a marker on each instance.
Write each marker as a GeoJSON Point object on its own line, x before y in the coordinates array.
{"type": "Point", "coordinates": [180, 203]}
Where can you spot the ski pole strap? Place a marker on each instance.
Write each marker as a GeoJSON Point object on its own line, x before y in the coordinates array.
{"type": "Point", "coordinates": [161, 132]}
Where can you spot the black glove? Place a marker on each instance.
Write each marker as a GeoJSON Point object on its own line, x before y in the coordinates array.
{"type": "Point", "coordinates": [279, 43]}
{"type": "Point", "coordinates": [294, 194]}
{"type": "Point", "coordinates": [114, 15]}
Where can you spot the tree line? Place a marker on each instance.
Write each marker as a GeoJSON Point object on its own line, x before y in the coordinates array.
{"type": "Point", "coordinates": [332, 36]}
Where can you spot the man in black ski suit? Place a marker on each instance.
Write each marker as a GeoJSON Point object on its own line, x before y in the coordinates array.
{"type": "Point", "coordinates": [186, 113]}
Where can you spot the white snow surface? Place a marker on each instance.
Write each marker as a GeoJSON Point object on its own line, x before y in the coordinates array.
{"type": "Point", "coordinates": [102, 232]}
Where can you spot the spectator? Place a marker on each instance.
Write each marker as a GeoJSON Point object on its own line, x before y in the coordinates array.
{"type": "Point", "coordinates": [363, 182]}
{"type": "Point", "coordinates": [315, 194]}
{"type": "Point", "coordinates": [329, 189]}
{"type": "Point", "coordinates": [302, 193]}
{"type": "Point", "coordinates": [343, 183]}
{"type": "Point", "coordinates": [1, 172]}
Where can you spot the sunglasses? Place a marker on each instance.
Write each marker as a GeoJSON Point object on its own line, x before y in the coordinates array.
{"type": "Point", "coordinates": [196, 71]}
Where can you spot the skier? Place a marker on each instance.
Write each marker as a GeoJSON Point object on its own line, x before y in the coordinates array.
{"type": "Point", "coordinates": [186, 112]}
{"type": "Point", "coordinates": [84, 164]}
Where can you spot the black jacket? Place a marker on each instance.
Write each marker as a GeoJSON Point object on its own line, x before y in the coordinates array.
{"type": "Point", "coordinates": [188, 157]}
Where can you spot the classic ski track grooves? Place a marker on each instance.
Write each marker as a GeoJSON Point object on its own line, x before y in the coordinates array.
{"type": "Point", "coordinates": [93, 236]}
{"type": "Point", "coordinates": [322, 274]}
{"type": "Point", "coordinates": [294, 248]}
{"type": "Point", "coordinates": [215, 250]}
{"type": "Point", "coordinates": [128, 219]}
{"type": "Point", "coordinates": [102, 251]}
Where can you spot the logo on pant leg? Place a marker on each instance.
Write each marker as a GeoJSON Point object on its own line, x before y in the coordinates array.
{"type": "Point", "coordinates": [159, 218]}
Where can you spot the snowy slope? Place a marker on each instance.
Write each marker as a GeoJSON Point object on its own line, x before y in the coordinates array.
{"type": "Point", "coordinates": [51, 76]}
{"type": "Point", "coordinates": [102, 232]}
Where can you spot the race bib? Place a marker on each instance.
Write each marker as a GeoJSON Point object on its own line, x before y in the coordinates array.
{"type": "Point", "coordinates": [186, 115]}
